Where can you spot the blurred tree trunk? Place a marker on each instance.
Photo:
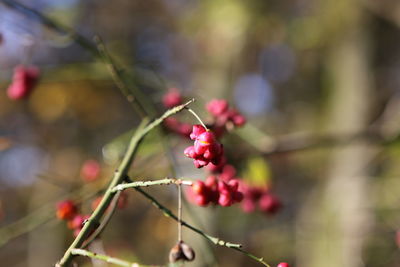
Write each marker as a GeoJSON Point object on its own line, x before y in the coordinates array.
{"type": "Point", "coordinates": [334, 222]}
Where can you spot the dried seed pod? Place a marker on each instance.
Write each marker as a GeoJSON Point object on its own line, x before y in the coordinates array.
{"type": "Point", "coordinates": [187, 251]}
{"type": "Point", "coordinates": [181, 252]}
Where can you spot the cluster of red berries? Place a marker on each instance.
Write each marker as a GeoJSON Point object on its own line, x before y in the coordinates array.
{"type": "Point", "coordinates": [216, 191]}
{"type": "Point", "coordinates": [24, 80]}
{"type": "Point", "coordinates": [224, 117]}
{"type": "Point", "coordinates": [259, 197]}
{"type": "Point", "coordinates": [67, 210]}
{"type": "Point", "coordinates": [253, 196]}
{"type": "Point", "coordinates": [223, 114]}
{"type": "Point", "coordinates": [206, 149]}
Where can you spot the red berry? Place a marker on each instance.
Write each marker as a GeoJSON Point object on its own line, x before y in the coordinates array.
{"type": "Point", "coordinates": [77, 221]}
{"type": "Point", "coordinates": [217, 106]}
{"type": "Point", "coordinates": [206, 138]}
{"type": "Point", "coordinates": [189, 152]}
{"type": "Point", "coordinates": [234, 184]}
{"type": "Point", "coordinates": [269, 203]}
{"type": "Point", "coordinates": [201, 200]}
{"type": "Point", "coordinates": [198, 187]}
{"type": "Point", "coordinates": [238, 120]}
{"type": "Point", "coordinates": [24, 80]}
{"type": "Point", "coordinates": [196, 131]}
{"type": "Point", "coordinates": [172, 98]}
{"type": "Point", "coordinates": [283, 264]}
{"type": "Point", "coordinates": [237, 196]}
{"type": "Point", "coordinates": [223, 188]}
{"type": "Point", "coordinates": [248, 205]}
{"type": "Point", "coordinates": [66, 210]}
{"type": "Point", "coordinates": [90, 170]}
{"type": "Point", "coordinates": [225, 199]}
{"type": "Point", "coordinates": [211, 182]}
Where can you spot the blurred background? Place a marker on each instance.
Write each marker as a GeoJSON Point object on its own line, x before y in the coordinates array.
{"type": "Point", "coordinates": [318, 81]}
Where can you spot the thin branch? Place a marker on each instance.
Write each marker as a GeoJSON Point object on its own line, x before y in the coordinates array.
{"type": "Point", "coordinates": [198, 118]}
{"type": "Point", "coordinates": [166, 181]}
{"type": "Point", "coordinates": [117, 77]}
{"type": "Point", "coordinates": [215, 240]}
{"type": "Point", "coordinates": [108, 259]}
{"type": "Point", "coordinates": [119, 175]}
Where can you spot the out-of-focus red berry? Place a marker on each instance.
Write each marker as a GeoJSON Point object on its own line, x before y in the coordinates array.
{"type": "Point", "coordinates": [198, 187]}
{"type": "Point", "coordinates": [90, 170]}
{"type": "Point", "coordinates": [283, 264]}
{"type": "Point", "coordinates": [225, 199]}
{"type": "Point", "coordinates": [66, 210]}
{"type": "Point", "coordinates": [172, 98]}
{"type": "Point", "coordinates": [269, 203]}
{"type": "Point", "coordinates": [77, 221]}
{"type": "Point", "coordinates": [24, 80]}
{"type": "Point", "coordinates": [217, 106]}
{"type": "Point", "coordinates": [122, 200]}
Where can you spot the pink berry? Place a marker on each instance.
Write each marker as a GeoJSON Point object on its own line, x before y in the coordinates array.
{"type": "Point", "coordinates": [248, 205]}
{"type": "Point", "coordinates": [172, 98]}
{"type": "Point", "coordinates": [24, 80]}
{"type": "Point", "coordinates": [198, 187]}
{"type": "Point", "coordinates": [238, 196]}
{"type": "Point", "coordinates": [217, 106]}
{"type": "Point", "coordinates": [234, 184]}
{"type": "Point", "coordinates": [223, 188]}
{"type": "Point", "coordinates": [283, 264]}
{"type": "Point", "coordinates": [196, 131]}
{"type": "Point", "coordinates": [269, 203]}
{"type": "Point", "coordinates": [90, 170]}
{"type": "Point", "coordinates": [201, 200]}
{"type": "Point", "coordinates": [225, 199]}
{"type": "Point", "coordinates": [238, 120]}
{"type": "Point", "coordinates": [189, 152]}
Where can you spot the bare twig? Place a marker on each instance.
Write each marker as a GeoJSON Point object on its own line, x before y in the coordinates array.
{"type": "Point", "coordinates": [106, 258]}
{"type": "Point", "coordinates": [166, 181]}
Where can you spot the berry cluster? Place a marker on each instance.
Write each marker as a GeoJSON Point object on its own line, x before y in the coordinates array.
{"type": "Point", "coordinates": [67, 210]}
{"type": "Point", "coordinates": [24, 79]}
{"type": "Point", "coordinates": [224, 117]}
{"type": "Point", "coordinates": [261, 197]}
{"type": "Point", "coordinates": [216, 191]}
{"type": "Point", "coordinates": [206, 149]}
